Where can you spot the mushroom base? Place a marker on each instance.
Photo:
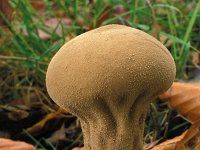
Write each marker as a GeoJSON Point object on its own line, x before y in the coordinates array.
{"type": "Point", "coordinates": [107, 136]}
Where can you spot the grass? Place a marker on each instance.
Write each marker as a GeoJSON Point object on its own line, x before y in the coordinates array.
{"type": "Point", "coordinates": [24, 54]}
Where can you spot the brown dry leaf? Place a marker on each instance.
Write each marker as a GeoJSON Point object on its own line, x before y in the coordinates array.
{"type": "Point", "coordinates": [178, 143]}
{"type": "Point", "coordinates": [18, 115]}
{"type": "Point", "coordinates": [103, 16]}
{"type": "Point", "coordinates": [162, 38]}
{"type": "Point", "coordinates": [119, 9]}
{"type": "Point", "coordinates": [152, 144]}
{"type": "Point", "coordinates": [5, 9]}
{"type": "Point", "coordinates": [7, 144]}
{"type": "Point", "coordinates": [78, 148]}
{"type": "Point", "coordinates": [195, 58]}
{"type": "Point", "coordinates": [169, 144]}
{"type": "Point", "coordinates": [185, 99]}
{"type": "Point", "coordinates": [52, 24]}
{"type": "Point", "coordinates": [38, 127]}
{"type": "Point", "coordinates": [15, 113]}
{"type": "Point", "coordinates": [39, 6]}
{"type": "Point", "coordinates": [191, 138]}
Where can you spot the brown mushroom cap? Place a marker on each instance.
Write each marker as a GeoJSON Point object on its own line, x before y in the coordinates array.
{"type": "Point", "coordinates": [107, 77]}
{"type": "Point", "coordinates": [110, 61]}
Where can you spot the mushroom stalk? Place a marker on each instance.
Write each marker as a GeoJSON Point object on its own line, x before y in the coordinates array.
{"type": "Point", "coordinates": [121, 132]}
{"type": "Point", "coordinates": [107, 77]}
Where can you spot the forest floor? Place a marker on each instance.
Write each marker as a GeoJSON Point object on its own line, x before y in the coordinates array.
{"type": "Point", "coordinates": [32, 31]}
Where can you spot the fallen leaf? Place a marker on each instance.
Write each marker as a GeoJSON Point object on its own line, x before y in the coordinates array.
{"type": "Point", "coordinates": [78, 148]}
{"type": "Point", "coordinates": [7, 144]}
{"type": "Point", "coordinates": [195, 59]}
{"type": "Point", "coordinates": [162, 38]}
{"type": "Point", "coordinates": [39, 6]}
{"type": "Point", "coordinates": [41, 125]}
{"type": "Point", "coordinates": [185, 99]}
{"type": "Point", "coordinates": [103, 16]}
{"type": "Point", "coordinates": [169, 144]}
{"type": "Point", "coordinates": [53, 24]}
{"type": "Point", "coordinates": [166, 41]}
{"type": "Point", "coordinates": [191, 138]}
{"type": "Point", "coordinates": [152, 144]}
{"type": "Point", "coordinates": [18, 115]}
{"type": "Point", "coordinates": [5, 9]}
{"type": "Point", "coordinates": [14, 113]}
{"type": "Point", "coordinates": [119, 9]}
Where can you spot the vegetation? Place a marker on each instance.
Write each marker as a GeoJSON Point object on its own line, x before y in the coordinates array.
{"type": "Point", "coordinates": [33, 32]}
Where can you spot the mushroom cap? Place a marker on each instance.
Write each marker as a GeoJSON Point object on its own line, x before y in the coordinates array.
{"type": "Point", "coordinates": [110, 62]}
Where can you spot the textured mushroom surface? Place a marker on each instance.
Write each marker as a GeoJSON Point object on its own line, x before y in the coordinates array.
{"type": "Point", "coordinates": [107, 77]}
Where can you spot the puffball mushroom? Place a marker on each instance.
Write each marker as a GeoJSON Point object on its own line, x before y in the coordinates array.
{"type": "Point", "coordinates": [107, 77]}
